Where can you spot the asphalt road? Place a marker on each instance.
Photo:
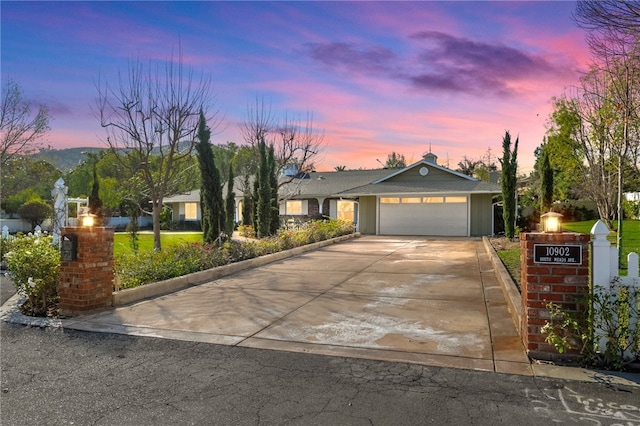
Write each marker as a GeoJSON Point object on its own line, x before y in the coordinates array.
{"type": "Point", "coordinates": [53, 376]}
{"type": "Point", "coordinates": [7, 289]}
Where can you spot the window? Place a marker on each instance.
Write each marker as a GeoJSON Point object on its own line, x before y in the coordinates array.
{"type": "Point", "coordinates": [190, 211]}
{"type": "Point", "coordinates": [390, 200]}
{"type": "Point", "coordinates": [345, 210]}
{"type": "Point", "coordinates": [456, 199]}
{"type": "Point", "coordinates": [433, 200]}
{"type": "Point", "coordinates": [294, 207]}
{"type": "Point", "coordinates": [411, 200]}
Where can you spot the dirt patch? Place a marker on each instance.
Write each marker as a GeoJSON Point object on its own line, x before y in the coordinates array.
{"type": "Point", "coordinates": [500, 244]}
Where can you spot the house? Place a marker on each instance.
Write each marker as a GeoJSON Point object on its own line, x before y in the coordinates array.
{"type": "Point", "coordinates": [421, 199]}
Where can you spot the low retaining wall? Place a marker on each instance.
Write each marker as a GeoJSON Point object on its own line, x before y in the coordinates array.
{"type": "Point", "coordinates": [511, 293]}
{"type": "Point", "coordinates": [160, 288]}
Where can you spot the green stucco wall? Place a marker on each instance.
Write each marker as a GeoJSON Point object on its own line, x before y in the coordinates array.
{"type": "Point", "coordinates": [367, 209]}
{"type": "Point", "coordinates": [481, 216]}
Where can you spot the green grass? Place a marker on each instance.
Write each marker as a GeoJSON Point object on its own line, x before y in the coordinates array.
{"type": "Point", "coordinates": [630, 234]}
{"type": "Point", "coordinates": [145, 240]}
{"type": "Point", "coordinates": [511, 260]}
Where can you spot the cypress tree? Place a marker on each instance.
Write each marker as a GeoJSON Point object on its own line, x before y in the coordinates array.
{"type": "Point", "coordinates": [247, 203]}
{"type": "Point", "coordinates": [210, 188]}
{"type": "Point", "coordinates": [546, 182]}
{"type": "Point", "coordinates": [273, 184]}
{"type": "Point", "coordinates": [95, 203]}
{"type": "Point", "coordinates": [230, 205]}
{"type": "Point", "coordinates": [508, 182]}
{"type": "Point", "coordinates": [263, 211]}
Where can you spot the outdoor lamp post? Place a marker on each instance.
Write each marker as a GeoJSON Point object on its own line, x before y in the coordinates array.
{"type": "Point", "coordinates": [88, 220]}
{"type": "Point", "coordinates": [551, 222]}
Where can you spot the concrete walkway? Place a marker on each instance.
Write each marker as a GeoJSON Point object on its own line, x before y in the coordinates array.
{"type": "Point", "coordinates": [411, 299]}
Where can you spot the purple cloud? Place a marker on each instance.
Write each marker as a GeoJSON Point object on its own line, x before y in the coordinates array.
{"type": "Point", "coordinates": [352, 58]}
{"type": "Point", "coordinates": [441, 62]}
{"type": "Point", "coordinates": [474, 66]}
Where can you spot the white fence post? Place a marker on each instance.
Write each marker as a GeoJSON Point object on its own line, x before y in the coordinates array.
{"type": "Point", "coordinates": [607, 284]}
{"type": "Point", "coordinates": [601, 273]}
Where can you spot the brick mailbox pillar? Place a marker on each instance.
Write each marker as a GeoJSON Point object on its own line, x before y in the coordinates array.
{"type": "Point", "coordinates": [86, 269]}
{"type": "Point", "coordinates": [554, 268]}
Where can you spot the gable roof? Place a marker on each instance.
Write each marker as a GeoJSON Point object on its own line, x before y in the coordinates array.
{"type": "Point", "coordinates": [427, 164]}
{"type": "Point", "coordinates": [354, 183]}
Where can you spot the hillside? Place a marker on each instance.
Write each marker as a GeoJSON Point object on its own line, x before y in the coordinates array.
{"type": "Point", "coordinates": [65, 159]}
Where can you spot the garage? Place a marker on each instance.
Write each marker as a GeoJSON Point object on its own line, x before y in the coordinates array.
{"type": "Point", "coordinates": [440, 215]}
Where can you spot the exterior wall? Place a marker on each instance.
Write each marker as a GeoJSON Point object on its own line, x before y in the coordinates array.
{"type": "Point", "coordinates": [481, 214]}
{"type": "Point", "coordinates": [413, 175]}
{"type": "Point", "coordinates": [367, 210]}
{"type": "Point", "coordinates": [541, 283]}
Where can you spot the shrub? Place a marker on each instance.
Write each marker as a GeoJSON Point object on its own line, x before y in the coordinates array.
{"type": "Point", "coordinates": [608, 317]}
{"type": "Point", "coordinates": [34, 265]}
{"type": "Point", "coordinates": [133, 270]}
{"type": "Point", "coordinates": [35, 211]}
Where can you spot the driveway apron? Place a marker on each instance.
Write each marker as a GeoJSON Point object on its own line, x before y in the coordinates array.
{"type": "Point", "coordinates": [423, 300]}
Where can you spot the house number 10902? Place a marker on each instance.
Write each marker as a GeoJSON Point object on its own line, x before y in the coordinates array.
{"type": "Point", "coordinates": [564, 254]}
{"type": "Point", "coordinates": [557, 251]}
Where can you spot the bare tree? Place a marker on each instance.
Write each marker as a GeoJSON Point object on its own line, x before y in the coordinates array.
{"type": "Point", "coordinates": [151, 118]}
{"type": "Point", "coordinates": [619, 15]}
{"type": "Point", "coordinates": [20, 130]}
{"type": "Point", "coordinates": [296, 142]}
{"type": "Point", "coordinates": [613, 34]}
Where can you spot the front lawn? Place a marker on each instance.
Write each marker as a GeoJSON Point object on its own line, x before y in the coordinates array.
{"type": "Point", "coordinates": [509, 252]}
{"type": "Point", "coordinates": [630, 235]}
{"type": "Point", "coordinates": [121, 244]}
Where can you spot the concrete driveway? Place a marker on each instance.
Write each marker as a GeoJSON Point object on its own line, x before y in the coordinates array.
{"type": "Point", "coordinates": [411, 299]}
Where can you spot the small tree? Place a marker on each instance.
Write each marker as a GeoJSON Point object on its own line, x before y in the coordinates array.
{"type": "Point", "coordinates": [95, 203]}
{"type": "Point", "coordinates": [263, 208]}
{"type": "Point", "coordinates": [20, 130]}
{"type": "Point", "coordinates": [230, 205]}
{"type": "Point", "coordinates": [546, 182]}
{"type": "Point", "coordinates": [509, 164]}
{"type": "Point", "coordinates": [151, 117]}
{"type": "Point", "coordinates": [210, 188]}
{"type": "Point", "coordinates": [35, 211]}
{"type": "Point", "coordinates": [395, 161]}
{"type": "Point", "coordinates": [273, 185]}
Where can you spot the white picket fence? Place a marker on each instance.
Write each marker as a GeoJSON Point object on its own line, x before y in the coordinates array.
{"type": "Point", "coordinates": [608, 283]}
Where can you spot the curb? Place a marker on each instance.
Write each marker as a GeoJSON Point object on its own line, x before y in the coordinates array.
{"type": "Point", "coordinates": [161, 288]}
{"type": "Point", "coordinates": [511, 293]}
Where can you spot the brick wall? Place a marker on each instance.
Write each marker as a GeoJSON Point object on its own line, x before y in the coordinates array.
{"type": "Point", "coordinates": [87, 282]}
{"type": "Point", "coordinates": [542, 283]}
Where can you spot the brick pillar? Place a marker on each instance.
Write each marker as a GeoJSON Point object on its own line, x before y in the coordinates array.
{"type": "Point", "coordinates": [550, 280]}
{"type": "Point", "coordinates": [86, 283]}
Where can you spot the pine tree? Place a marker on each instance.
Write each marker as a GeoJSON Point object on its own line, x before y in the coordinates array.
{"type": "Point", "coordinates": [509, 164]}
{"type": "Point", "coordinates": [210, 188]}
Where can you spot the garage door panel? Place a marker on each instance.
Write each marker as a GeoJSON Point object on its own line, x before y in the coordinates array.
{"type": "Point", "coordinates": [440, 219]}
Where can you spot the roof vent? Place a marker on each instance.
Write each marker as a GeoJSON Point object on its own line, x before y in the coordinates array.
{"type": "Point", "coordinates": [430, 158]}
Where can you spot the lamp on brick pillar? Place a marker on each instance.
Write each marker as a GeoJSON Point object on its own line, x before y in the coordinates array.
{"type": "Point", "coordinates": [551, 222]}
{"type": "Point", "coordinates": [87, 220]}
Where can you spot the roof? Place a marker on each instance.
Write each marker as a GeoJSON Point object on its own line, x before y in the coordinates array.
{"type": "Point", "coordinates": [327, 184]}
{"type": "Point", "coordinates": [387, 188]}
{"type": "Point", "coordinates": [354, 183]}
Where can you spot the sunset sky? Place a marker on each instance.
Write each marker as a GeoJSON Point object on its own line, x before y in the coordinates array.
{"type": "Point", "coordinates": [377, 76]}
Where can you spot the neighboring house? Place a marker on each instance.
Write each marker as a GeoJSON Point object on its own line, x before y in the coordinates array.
{"type": "Point", "coordinates": [421, 199]}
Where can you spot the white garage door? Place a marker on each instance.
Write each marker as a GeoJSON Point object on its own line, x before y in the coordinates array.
{"type": "Point", "coordinates": [424, 215]}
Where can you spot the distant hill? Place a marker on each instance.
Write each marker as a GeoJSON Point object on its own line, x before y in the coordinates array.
{"type": "Point", "coordinates": [65, 159]}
